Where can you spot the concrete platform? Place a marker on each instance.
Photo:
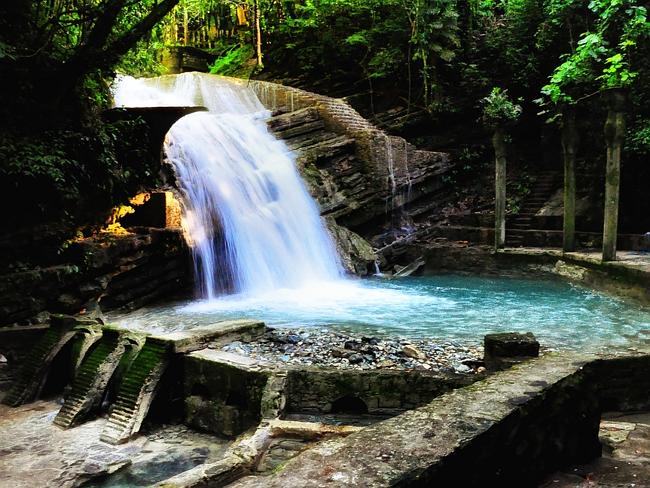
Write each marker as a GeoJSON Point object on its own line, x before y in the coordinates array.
{"type": "Point", "coordinates": [627, 277]}
{"type": "Point", "coordinates": [219, 333]}
{"type": "Point", "coordinates": [185, 341]}
{"type": "Point", "coordinates": [632, 260]}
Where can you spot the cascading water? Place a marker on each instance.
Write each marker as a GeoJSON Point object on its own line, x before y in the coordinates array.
{"type": "Point", "coordinates": [251, 223]}
{"type": "Point", "coordinates": [240, 183]}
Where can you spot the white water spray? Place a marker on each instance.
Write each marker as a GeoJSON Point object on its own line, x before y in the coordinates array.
{"type": "Point", "coordinates": [251, 223]}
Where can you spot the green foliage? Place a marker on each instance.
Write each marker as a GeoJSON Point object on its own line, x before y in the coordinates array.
{"type": "Point", "coordinates": [434, 37]}
{"type": "Point", "coordinates": [470, 161]}
{"type": "Point", "coordinates": [6, 51]}
{"type": "Point", "coordinates": [73, 176]}
{"type": "Point", "coordinates": [388, 41]}
{"type": "Point", "coordinates": [510, 39]}
{"type": "Point", "coordinates": [603, 57]}
{"type": "Point", "coordinates": [143, 60]}
{"type": "Point", "coordinates": [637, 140]}
{"type": "Point", "coordinates": [517, 191]}
{"type": "Point", "coordinates": [236, 60]}
{"type": "Point", "coordinates": [499, 110]}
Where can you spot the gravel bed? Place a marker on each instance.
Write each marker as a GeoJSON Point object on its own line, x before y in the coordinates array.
{"type": "Point", "coordinates": [323, 347]}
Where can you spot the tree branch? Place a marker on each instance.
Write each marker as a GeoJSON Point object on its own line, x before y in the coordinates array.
{"type": "Point", "coordinates": [97, 53]}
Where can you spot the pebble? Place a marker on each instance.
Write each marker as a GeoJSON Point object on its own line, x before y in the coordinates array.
{"type": "Point", "coordinates": [323, 347]}
{"type": "Point", "coordinates": [413, 352]}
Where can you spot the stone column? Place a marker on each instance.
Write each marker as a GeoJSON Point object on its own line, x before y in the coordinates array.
{"type": "Point", "coordinates": [614, 134]}
{"type": "Point", "coordinates": [569, 146]}
{"type": "Point", "coordinates": [498, 140]}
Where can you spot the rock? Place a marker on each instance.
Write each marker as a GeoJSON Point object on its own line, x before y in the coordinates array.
{"type": "Point", "coordinates": [373, 341]}
{"type": "Point", "coordinates": [345, 350]}
{"type": "Point", "coordinates": [462, 368]}
{"type": "Point", "coordinates": [293, 339]}
{"type": "Point", "coordinates": [505, 349]}
{"type": "Point", "coordinates": [355, 358]}
{"type": "Point", "coordinates": [387, 363]}
{"type": "Point", "coordinates": [352, 345]}
{"type": "Point", "coordinates": [411, 351]}
{"type": "Point", "coordinates": [613, 433]}
{"type": "Point", "coordinates": [356, 253]}
{"type": "Point", "coordinates": [337, 352]}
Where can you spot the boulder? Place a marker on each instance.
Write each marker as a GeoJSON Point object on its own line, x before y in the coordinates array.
{"type": "Point", "coordinates": [505, 349]}
{"type": "Point", "coordinates": [356, 253]}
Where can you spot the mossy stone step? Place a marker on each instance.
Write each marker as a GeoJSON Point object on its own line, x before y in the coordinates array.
{"type": "Point", "coordinates": [32, 374]}
{"type": "Point", "coordinates": [137, 391]}
{"type": "Point", "coordinates": [91, 382]}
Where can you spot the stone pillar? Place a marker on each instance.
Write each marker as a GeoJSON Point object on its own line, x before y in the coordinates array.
{"type": "Point", "coordinates": [569, 146]}
{"type": "Point", "coordinates": [614, 134]}
{"type": "Point", "coordinates": [498, 140]}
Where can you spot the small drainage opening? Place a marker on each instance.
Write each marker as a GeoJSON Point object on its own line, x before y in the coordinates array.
{"type": "Point", "coordinates": [349, 404]}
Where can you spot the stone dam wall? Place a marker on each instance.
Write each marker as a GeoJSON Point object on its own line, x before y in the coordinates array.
{"type": "Point", "coordinates": [392, 174]}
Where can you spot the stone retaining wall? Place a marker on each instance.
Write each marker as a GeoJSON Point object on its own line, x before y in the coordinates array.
{"type": "Point", "coordinates": [119, 270]}
{"type": "Point", "coordinates": [483, 234]}
{"type": "Point", "coordinates": [317, 391]}
{"type": "Point", "coordinates": [628, 277]}
{"type": "Point", "coordinates": [508, 430]}
{"type": "Point", "coordinates": [227, 397]}
{"type": "Point", "coordinates": [221, 398]}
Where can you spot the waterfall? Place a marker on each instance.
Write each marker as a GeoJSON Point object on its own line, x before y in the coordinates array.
{"type": "Point", "coordinates": [399, 198]}
{"type": "Point", "coordinates": [251, 224]}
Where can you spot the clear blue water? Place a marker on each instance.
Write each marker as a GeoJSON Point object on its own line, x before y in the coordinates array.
{"type": "Point", "coordinates": [449, 307]}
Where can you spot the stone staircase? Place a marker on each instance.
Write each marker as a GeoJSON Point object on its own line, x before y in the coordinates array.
{"type": "Point", "coordinates": [330, 166]}
{"type": "Point", "coordinates": [374, 146]}
{"type": "Point", "coordinates": [546, 184]}
{"type": "Point", "coordinates": [91, 380]}
{"type": "Point", "coordinates": [356, 172]}
{"type": "Point", "coordinates": [33, 373]}
{"type": "Point", "coordinates": [136, 391]}
{"type": "Point", "coordinates": [289, 99]}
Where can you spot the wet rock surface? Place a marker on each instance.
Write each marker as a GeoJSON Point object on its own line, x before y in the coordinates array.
{"type": "Point", "coordinates": [625, 461]}
{"type": "Point", "coordinates": [504, 431]}
{"type": "Point", "coordinates": [122, 270]}
{"type": "Point", "coordinates": [322, 347]}
{"type": "Point", "coordinates": [35, 453]}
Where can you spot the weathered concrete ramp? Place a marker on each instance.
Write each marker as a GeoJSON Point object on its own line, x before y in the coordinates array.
{"type": "Point", "coordinates": [33, 373]}
{"type": "Point", "coordinates": [505, 431]}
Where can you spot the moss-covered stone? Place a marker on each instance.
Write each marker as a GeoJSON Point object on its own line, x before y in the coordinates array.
{"type": "Point", "coordinates": [222, 398]}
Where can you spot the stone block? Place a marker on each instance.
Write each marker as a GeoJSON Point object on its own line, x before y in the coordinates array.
{"type": "Point", "coordinates": [502, 350]}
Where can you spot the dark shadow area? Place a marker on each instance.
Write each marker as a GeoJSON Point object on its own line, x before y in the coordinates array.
{"type": "Point", "coordinates": [349, 404]}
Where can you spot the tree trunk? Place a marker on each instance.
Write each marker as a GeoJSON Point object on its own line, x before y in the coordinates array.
{"type": "Point", "coordinates": [614, 134]}
{"type": "Point", "coordinates": [569, 148]}
{"type": "Point", "coordinates": [258, 33]}
{"type": "Point", "coordinates": [186, 25]}
{"type": "Point", "coordinates": [499, 143]}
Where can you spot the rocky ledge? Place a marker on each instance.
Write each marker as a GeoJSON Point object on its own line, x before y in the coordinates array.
{"type": "Point", "coordinates": [322, 347]}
